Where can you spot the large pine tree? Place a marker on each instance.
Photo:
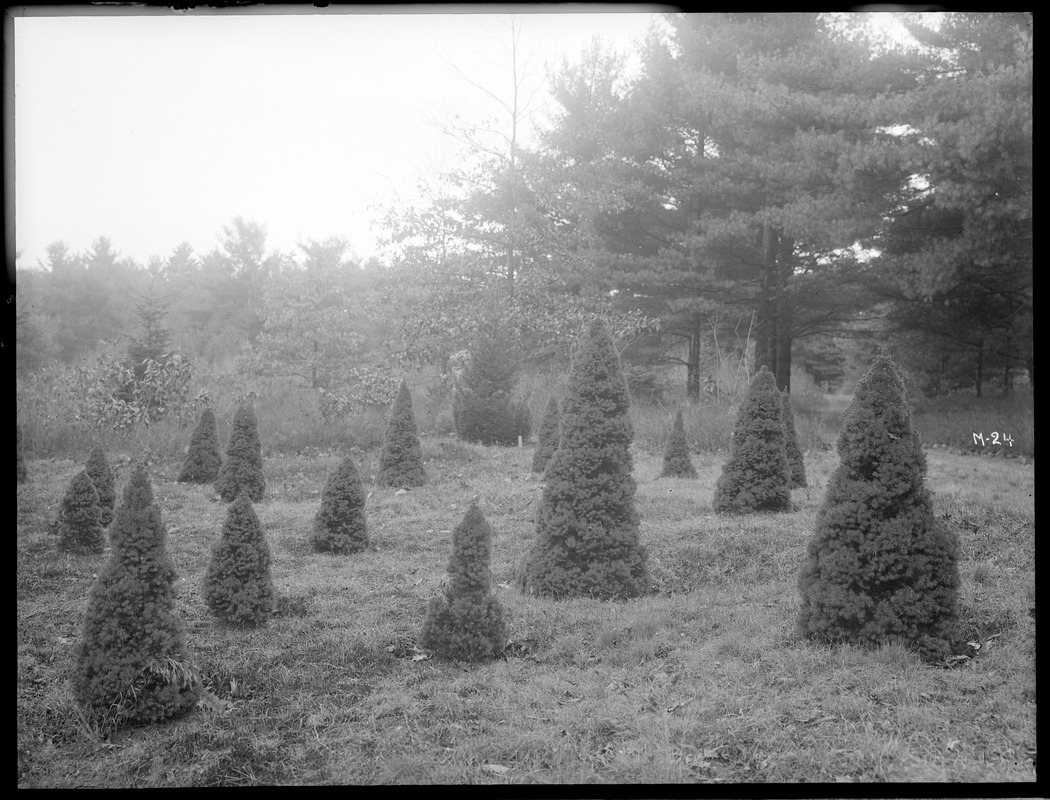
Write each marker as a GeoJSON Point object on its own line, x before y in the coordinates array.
{"type": "Point", "coordinates": [587, 541]}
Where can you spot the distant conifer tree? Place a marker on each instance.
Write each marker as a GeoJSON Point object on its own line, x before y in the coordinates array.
{"type": "Point", "coordinates": [79, 523]}
{"type": "Point", "coordinates": [339, 526]}
{"type": "Point", "coordinates": [238, 587]}
{"type": "Point", "coordinates": [401, 459]}
{"type": "Point", "coordinates": [794, 453]}
{"type": "Point", "coordinates": [550, 432]}
{"type": "Point", "coordinates": [133, 664]}
{"type": "Point", "coordinates": [677, 463]}
{"type": "Point", "coordinates": [243, 467]}
{"type": "Point", "coordinates": [880, 564]}
{"type": "Point", "coordinates": [756, 477]}
{"type": "Point", "coordinates": [466, 623]}
{"type": "Point", "coordinates": [98, 469]}
{"type": "Point", "coordinates": [204, 458]}
{"type": "Point", "coordinates": [587, 540]}
{"type": "Point", "coordinates": [20, 467]}
{"type": "Point", "coordinates": [483, 407]}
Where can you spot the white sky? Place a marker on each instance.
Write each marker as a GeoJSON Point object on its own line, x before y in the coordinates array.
{"type": "Point", "coordinates": [153, 130]}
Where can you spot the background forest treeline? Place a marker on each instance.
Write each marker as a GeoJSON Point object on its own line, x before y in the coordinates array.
{"type": "Point", "coordinates": [766, 189]}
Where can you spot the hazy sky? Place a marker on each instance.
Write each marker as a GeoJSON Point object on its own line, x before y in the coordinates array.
{"type": "Point", "coordinates": [153, 130]}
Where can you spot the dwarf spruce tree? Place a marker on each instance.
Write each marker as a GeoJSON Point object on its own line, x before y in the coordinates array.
{"type": "Point", "coordinates": [755, 477]}
{"type": "Point", "coordinates": [880, 565]}
{"type": "Point", "coordinates": [796, 465]}
{"type": "Point", "coordinates": [98, 469]}
{"type": "Point", "coordinates": [550, 433]}
{"type": "Point", "coordinates": [677, 463]}
{"type": "Point", "coordinates": [466, 623]}
{"type": "Point", "coordinates": [204, 458]}
{"type": "Point", "coordinates": [133, 664]}
{"type": "Point", "coordinates": [587, 540]}
{"type": "Point", "coordinates": [20, 464]}
{"type": "Point", "coordinates": [401, 459]}
{"type": "Point", "coordinates": [483, 407]}
{"type": "Point", "coordinates": [238, 587]}
{"type": "Point", "coordinates": [79, 522]}
{"type": "Point", "coordinates": [339, 526]}
{"type": "Point", "coordinates": [243, 468]}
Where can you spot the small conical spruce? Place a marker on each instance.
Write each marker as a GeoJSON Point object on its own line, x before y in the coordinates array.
{"type": "Point", "coordinates": [204, 458]}
{"type": "Point", "coordinates": [587, 541]}
{"type": "Point", "coordinates": [756, 477]}
{"type": "Point", "coordinates": [401, 459]}
{"type": "Point", "coordinates": [339, 526]}
{"type": "Point", "coordinates": [133, 664]}
{"type": "Point", "coordinates": [880, 565]}
{"type": "Point", "coordinates": [20, 466]}
{"type": "Point", "coordinates": [677, 463]}
{"type": "Point", "coordinates": [243, 468]}
{"type": "Point", "coordinates": [79, 522]}
{"type": "Point", "coordinates": [550, 432]}
{"type": "Point", "coordinates": [97, 467]}
{"type": "Point", "coordinates": [796, 465]}
{"type": "Point", "coordinates": [466, 623]}
{"type": "Point", "coordinates": [238, 587]}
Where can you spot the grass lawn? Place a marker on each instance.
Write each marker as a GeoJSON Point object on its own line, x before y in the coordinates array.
{"type": "Point", "coordinates": [704, 680]}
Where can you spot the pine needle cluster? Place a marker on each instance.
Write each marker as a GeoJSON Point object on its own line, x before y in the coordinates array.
{"type": "Point", "coordinates": [340, 526]}
{"type": "Point", "coordinates": [243, 468]}
{"type": "Point", "coordinates": [204, 458]}
{"type": "Point", "coordinates": [238, 587]}
{"type": "Point", "coordinates": [401, 459]}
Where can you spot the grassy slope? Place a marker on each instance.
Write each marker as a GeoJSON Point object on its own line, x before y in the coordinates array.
{"type": "Point", "coordinates": [704, 680]}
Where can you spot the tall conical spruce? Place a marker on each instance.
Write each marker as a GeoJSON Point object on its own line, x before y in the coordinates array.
{"type": "Point", "coordinates": [238, 587]}
{"type": "Point", "coordinates": [550, 433]}
{"type": "Point", "coordinates": [204, 458]}
{"type": "Point", "coordinates": [796, 465]}
{"type": "Point", "coordinates": [677, 463]}
{"type": "Point", "coordinates": [133, 664]}
{"type": "Point", "coordinates": [466, 623]}
{"type": "Point", "coordinates": [756, 477]}
{"type": "Point", "coordinates": [98, 469]}
{"type": "Point", "coordinates": [243, 467]}
{"type": "Point", "coordinates": [79, 521]}
{"type": "Point", "coordinates": [401, 459]}
{"type": "Point", "coordinates": [880, 565]}
{"type": "Point", "coordinates": [339, 526]}
{"type": "Point", "coordinates": [587, 541]}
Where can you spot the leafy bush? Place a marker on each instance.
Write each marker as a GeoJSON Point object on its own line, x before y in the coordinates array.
{"type": "Point", "coordinates": [242, 469]}
{"type": "Point", "coordinates": [238, 587]}
{"type": "Point", "coordinates": [756, 477]}
{"type": "Point", "coordinates": [677, 463]}
{"type": "Point", "coordinates": [550, 432]}
{"type": "Point", "coordinates": [466, 623]}
{"type": "Point", "coordinates": [98, 469]}
{"type": "Point", "coordinates": [401, 459]}
{"type": "Point", "coordinates": [204, 459]}
{"type": "Point", "coordinates": [339, 526]}
{"type": "Point", "coordinates": [587, 527]}
{"type": "Point", "coordinates": [79, 521]}
{"type": "Point", "coordinates": [796, 465]}
{"type": "Point", "coordinates": [133, 664]}
{"type": "Point", "coordinates": [880, 564]}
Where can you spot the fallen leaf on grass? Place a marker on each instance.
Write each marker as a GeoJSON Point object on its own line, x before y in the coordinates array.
{"type": "Point", "coordinates": [952, 744]}
{"type": "Point", "coordinates": [495, 769]}
{"type": "Point", "coordinates": [210, 702]}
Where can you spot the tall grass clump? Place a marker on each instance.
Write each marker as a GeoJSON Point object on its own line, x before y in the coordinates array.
{"type": "Point", "coordinates": [238, 587]}
{"type": "Point", "coordinates": [204, 458]}
{"type": "Point", "coordinates": [880, 565]}
{"type": "Point", "coordinates": [79, 521]}
{"type": "Point", "coordinates": [243, 468]}
{"type": "Point", "coordinates": [466, 623]}
{"type": "Point", "coordinates": [677, 463]}
{"type": "Point", "coordinates": [549, 435]}
{"type": "Point", "coordinates": [587, 528]}
{"type": "Point", "coordinates": [401, 459]}
{"type": "Point", "coordinates": [339, 526]}
{"type": "Point", "coordinates": [132, 663]}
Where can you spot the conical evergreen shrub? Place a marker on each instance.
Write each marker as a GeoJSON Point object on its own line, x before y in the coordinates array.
{"type": "Point", "coordinates": [20, 465]}
{"type": "Point", "coordinates": [677, 463]}
{"type": "Point", "coordinates": [204, 458]}
{"type": "Point", "coordinates": [550, 433]}
{"type": "Point", "coordinates": [238, 587]}
{"type": "Point", "coordinates": [466, 623]}
{"type": "Point", "coordinates": [587, 541]}
{"type": "Point", "coordinates": [97, 468]}
{"type": "Point", "coordinates": [79, 522]}
{"type": "Point", "coordinates": [796, 465]}
{"type": "Point", "coordinates": [401, 459]}
{"type": "Point", "coordinates": [755, 477]}
{"type": "Point", "coordinates": [483, 408]}
{"type": "Point", "coordinates": [133, 664]}
{"type": "Point", "coordinates": [339, 526]}
{"type": "Point", "coordinates": [243, 468]}
{"type": "Point", "coordinates": [880, 565]}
